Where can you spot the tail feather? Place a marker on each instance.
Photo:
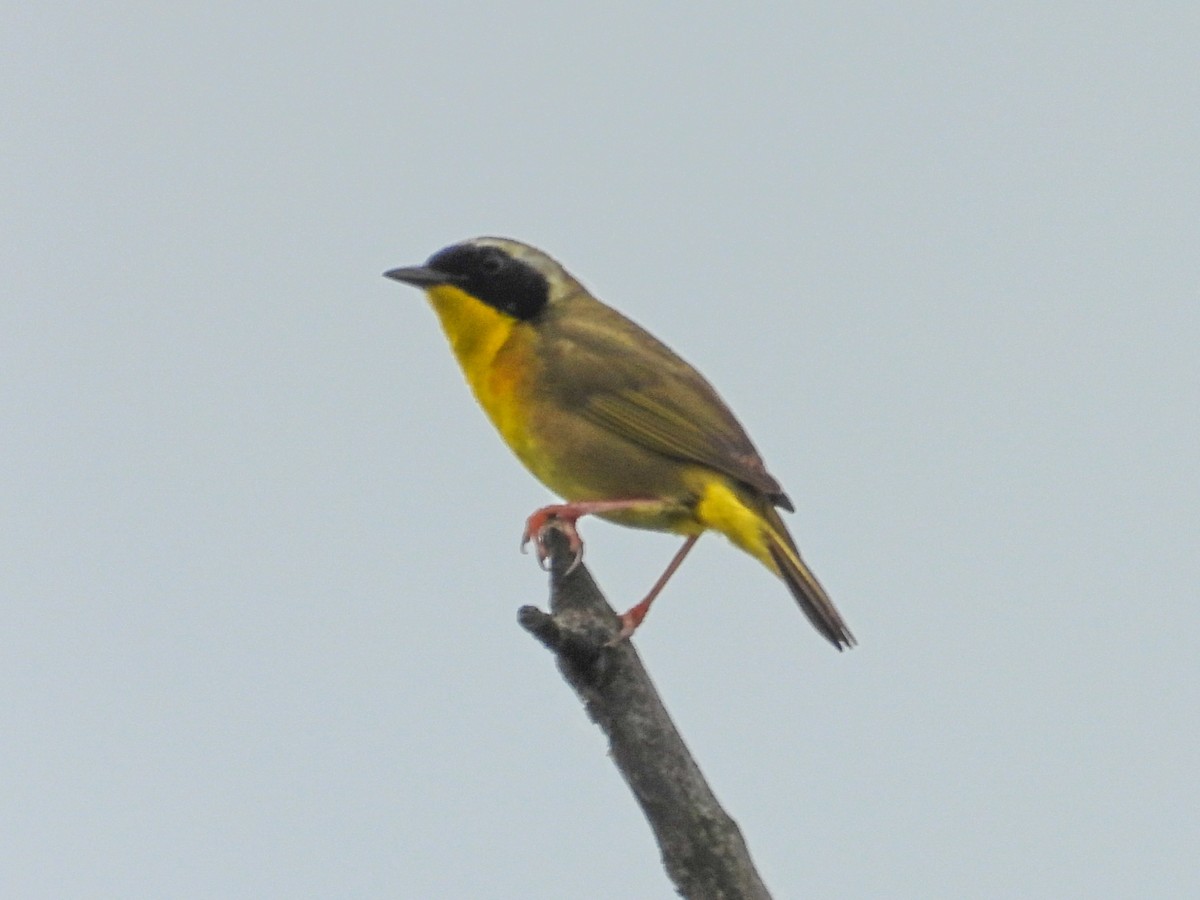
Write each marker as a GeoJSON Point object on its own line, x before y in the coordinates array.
{"type": "Point", "coordinates": [813, 600]}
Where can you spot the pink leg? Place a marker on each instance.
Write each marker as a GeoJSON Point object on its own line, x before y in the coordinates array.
{"type": "Point", "coordinates": [563, 516]}
{"type": "Point", "coordinates": [633, 618]}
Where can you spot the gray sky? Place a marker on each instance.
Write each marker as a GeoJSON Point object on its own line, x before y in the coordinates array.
{"type": "Point", "coordinates": [258, 556]}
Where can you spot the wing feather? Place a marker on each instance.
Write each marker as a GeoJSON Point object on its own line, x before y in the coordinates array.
{"type": "Point", "coordinates": [628, 382]}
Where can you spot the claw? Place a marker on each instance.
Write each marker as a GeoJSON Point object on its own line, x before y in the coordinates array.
{"type": "Point", "coordinates": [533, 532]}
{"type": "Point", "coordinates": [574, 543]}
{"type": "Point", "coordinates": [539, 549]}
{"type": "Point", "coordinates": [538, 524]}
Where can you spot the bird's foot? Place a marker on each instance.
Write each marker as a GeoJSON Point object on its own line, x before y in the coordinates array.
{"type": "Point", "coordinates": [561, 516]}
{"type": "Point", "coordinates": [630, 620]}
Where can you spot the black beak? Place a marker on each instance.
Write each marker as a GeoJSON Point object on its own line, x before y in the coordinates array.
{"type": "Point", "coordinates": [420, 276]}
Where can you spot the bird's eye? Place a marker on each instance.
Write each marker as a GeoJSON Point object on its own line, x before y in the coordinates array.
{"type": "Point", "coordinates": [492, 263]}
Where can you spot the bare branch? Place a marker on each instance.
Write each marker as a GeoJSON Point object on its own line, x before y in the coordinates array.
{"type": "Point", "coordinates": [702, 848]}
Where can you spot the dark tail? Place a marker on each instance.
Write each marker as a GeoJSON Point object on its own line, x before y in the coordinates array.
{"type": "Point", "coordinates": [813, 600]}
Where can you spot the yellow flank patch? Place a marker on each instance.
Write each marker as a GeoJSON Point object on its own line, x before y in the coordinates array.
{"type": "Point", "coordinates": [721, 509]}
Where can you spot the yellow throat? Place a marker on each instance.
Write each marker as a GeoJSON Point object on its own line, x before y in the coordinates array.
{"type": "Point", "coordinates": [488, 344]}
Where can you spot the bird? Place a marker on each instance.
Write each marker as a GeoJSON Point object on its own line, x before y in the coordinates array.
{"type": "Point", "coordinates": [608, 417]}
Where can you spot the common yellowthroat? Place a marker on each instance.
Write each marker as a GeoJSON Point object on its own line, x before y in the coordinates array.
{"type": "Point", "coordinates": [607, 416]}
